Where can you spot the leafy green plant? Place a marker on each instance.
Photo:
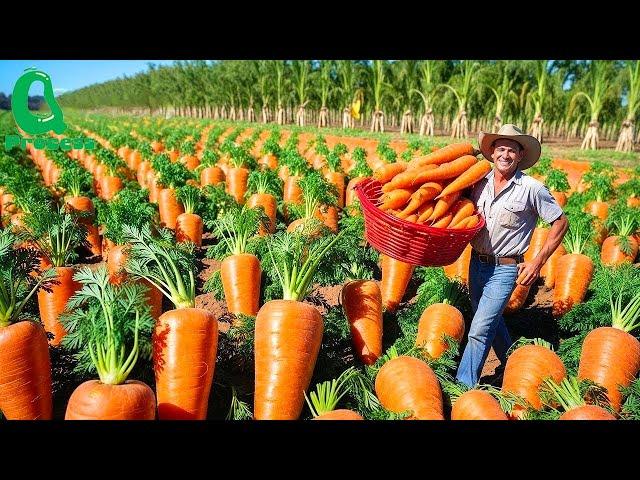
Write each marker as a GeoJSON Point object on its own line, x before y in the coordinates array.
{"type": "Point", "coordinates": [56, 232]}
{"type": "Point", "coordinates": [104, 320]}
{"type": "Point", "coordinates": [167, 265]}
{"type": "Point", "coordinates": [131, 208]}
{"type": "Point", "coordinates": [20, 278]}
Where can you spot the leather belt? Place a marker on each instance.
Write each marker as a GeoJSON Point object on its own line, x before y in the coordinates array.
{"type": "Point", "coordinates": [493, 260]}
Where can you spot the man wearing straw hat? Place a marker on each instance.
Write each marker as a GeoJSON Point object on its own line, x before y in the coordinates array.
{"type": "Point", "coordinates": [510, 202]}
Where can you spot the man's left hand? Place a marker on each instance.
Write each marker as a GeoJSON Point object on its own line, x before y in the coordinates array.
{"type": "Point", "coordinates": [528, 272]}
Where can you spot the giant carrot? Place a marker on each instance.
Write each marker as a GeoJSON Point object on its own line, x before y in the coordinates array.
{"type": "Point", "coordinates": [189, 223]}
{"type": "Point", "coordinates": [407, 384]}
{"type": "Point", "coordinates": [621, 247]}
{"type": "Point", "coordinates": [170, 207]}
{"type": "Point", "coordinates": [573, 272]}
{"type": "Point", "coordinates": [288, 333]}
{"type": "Point", "coordinates": [395, 278]}
{"type": "Point", "coordinates": [123, 318]}
{"type": "Point", "coordinates": [362, 304]}
{"type": "Point", "coordinates": [527, 367]}
{"type": "Point", "coordinates": [611, 355]}
{"type": "Point", "coordinates": [25, 368]}
{"type": "Point", "coordinates": [265, 187]}
{"type": "Point", "coordinates": [460, 268]}
{"type": "Point", "coordinates": [237, 183]}
{"type": "Point", "coordinates": [437, 320]}
{"type": "Point", "coordinates": [476, 404]}
{"type": "Point", "coordinates": [185, 339]}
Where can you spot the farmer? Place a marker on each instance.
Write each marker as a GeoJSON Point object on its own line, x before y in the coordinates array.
{"type": "Point", "coordinates": [510, 201]}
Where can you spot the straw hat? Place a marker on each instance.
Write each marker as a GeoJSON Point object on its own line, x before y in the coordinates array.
{"type": "Point", "coordinates": [530, 145]}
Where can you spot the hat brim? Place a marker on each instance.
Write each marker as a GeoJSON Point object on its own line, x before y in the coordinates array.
{"type": "Point", "coordinates": [531, 145]}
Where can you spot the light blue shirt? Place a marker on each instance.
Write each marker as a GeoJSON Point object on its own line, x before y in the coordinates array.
{"type": "Point", "coordinates": [511, 216]}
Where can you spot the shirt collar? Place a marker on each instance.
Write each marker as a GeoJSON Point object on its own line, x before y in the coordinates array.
{"type": "Point", "coordinates": [517, 177]}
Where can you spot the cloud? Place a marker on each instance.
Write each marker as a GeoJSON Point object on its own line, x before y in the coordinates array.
{"type": "Point", "coordinates": [59, 90]}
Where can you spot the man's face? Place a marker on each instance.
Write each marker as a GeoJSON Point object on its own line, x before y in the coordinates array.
{"type": "Point", "coordinates": [506, 155]}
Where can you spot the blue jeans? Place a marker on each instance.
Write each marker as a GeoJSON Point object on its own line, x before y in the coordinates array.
{"type": "Point", "coordinates": [490, 288]}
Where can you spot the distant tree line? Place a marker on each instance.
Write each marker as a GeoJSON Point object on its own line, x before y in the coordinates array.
{"type": "Point", "coordinates": [35, 103]}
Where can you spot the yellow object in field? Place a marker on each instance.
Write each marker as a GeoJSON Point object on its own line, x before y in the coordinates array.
{"type": "Point", "coordinates": [355, 109]}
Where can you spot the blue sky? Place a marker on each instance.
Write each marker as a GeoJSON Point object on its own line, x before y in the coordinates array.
{"type": "Point", "coordinates": [69, 75]}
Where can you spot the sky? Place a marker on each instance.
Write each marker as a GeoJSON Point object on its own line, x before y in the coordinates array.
{"type": "Point", "coordinates": [67, 75]}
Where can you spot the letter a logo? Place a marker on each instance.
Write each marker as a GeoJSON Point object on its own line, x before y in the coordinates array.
{"type": "Point", "coordinates": [33, 123]}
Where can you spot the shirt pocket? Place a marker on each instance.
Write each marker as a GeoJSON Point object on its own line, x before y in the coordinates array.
{"type": "Point", "coordinates": [513, 215]}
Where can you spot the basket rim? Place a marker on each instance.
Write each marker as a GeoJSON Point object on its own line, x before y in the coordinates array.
{"type": "Point", "coordinates": [399, 222]}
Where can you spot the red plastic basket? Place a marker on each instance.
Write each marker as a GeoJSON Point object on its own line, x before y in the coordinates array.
{"type": "Point", "coordinates": [409, 242]}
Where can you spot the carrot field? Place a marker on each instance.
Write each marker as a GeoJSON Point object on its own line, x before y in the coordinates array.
{"type": "Point", "coordinates": [191, 268]}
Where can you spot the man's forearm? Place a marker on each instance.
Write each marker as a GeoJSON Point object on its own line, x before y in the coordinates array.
{"type": "Point", "coordinates": [554, 239]}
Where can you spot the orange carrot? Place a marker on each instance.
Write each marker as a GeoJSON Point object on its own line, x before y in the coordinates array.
{"type": "Point", "coordinates": [211, 176]}
{"type": "Point", "coordinates": [189, 228]}
{"type": "Point", "coordinates": [25, 372]}
{"type": "Point", "coordinates": [517, 299]}
{"type": "Point", "coordinates": [587, 412]}
{"type": "Point", "coordinates": [573, 276]}
{"type": "Point", "coordinates": [460, 268]}
{"type": "Point", "coordinates": [362, 304]}
{"type": "Point", "coordinates": [395, 199]}
{"type": "Point", "coordinates": [467, 177]}
{"type": "Point", "coordinates": [560, 197]}
{"type": "Point", "coordinates": [241, 276]}
{"type": "Point", "coordinates": [424, 194]}
{"type": "Point", "coordinates": [443, 207]}
{"type": "Point", "coordinates": [468, 222]}
{"type": "Point", "coordinates": [463, 208]}
{"type": "Point", "coordinates": [612, 254]}
{"type": "Point", "coordinates": [170, 208]}
{"type": "Point", "coordinates": [610, 357]}
{"type": "Point", "coordinates": [548, 270]}
{"type": "Point", "coordinates": [110, 186]}
{"type": "Point", "coordinates": [437, 320]}
{"type": "Point", "coordinates": [408, 384]}
{"type": "Point", "coordinates": [288, 335]}
{"type": "Point", "coordinates": [444, 221]}
{"type": "Point", "coordinates": [94, 400]}
{"type": "Point", "coordinates": [409, 178]}
{"type": "Point", "coordinates": [477, 405]}
{"type": "Point", "coordinates": [340, 414]}
{"type": "Point", "coordinates": [386, 173]}
{"type": "Point", "coordinates": [53, 303]}
{"type": "Point", "coordinates": [425, 211]}
{"type": "Point", "coordinates": [237, 178]}
{"type": "Point", "coordinates": [443, 155]}
{"type": "Point", "coordinates": [116, 262]}
{"type": "Point", "coordinates": [395, 278]}
{"type": "Point", "coordinates": [527, 367]}
{"type": "Point", "coordinates": [328, 214]}
{"type": "Point", "coordinates": [447, 171]}
{"type": "Point", "coordinates": [599, 209]}
{"type": "Point", "coordinates": [350, 195]}
{"type": "Point", "coordinates": [269, 204]}
{"type": "Point", "coordinates": [185, 342]}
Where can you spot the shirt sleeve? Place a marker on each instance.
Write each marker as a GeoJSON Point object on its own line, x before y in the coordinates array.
{"type": "Point", "coordinates": [546, 205]}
